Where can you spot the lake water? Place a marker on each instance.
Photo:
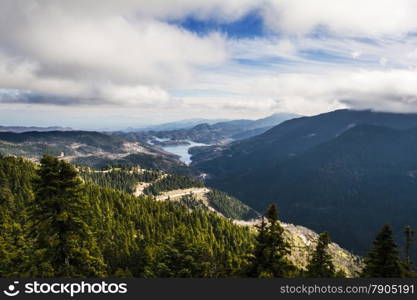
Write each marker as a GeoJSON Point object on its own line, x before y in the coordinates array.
{"type": "Point", "coordinates": [182, 150]}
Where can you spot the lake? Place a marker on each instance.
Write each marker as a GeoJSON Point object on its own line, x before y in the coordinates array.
{"type": "Point", "coordinates": [182, 150]}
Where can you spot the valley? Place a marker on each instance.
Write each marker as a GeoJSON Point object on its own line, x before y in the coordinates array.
{"type": "Point", "coordinates": [326, 170]}
{"type": "Point", "coordinates": [322, 172]}
{"type": "Point", "coordinates": [301, 239]}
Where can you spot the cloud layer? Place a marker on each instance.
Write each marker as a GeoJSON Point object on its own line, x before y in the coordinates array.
{"type": "Point", "coordinates": [121, 58]}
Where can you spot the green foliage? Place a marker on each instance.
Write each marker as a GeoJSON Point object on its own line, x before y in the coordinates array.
{"type": "Point", "coordinates": [383, 259]}
{"type": "Point", "coordinates": [172, 182]}
{"type": "Point", "coordinates": [15, 195]}
{"type": "Point", "coordinates": [190, 202]}
{"type": "Point", "coordinates": [230, 207]}
{"type": "Point", "coordinates": [54, 224]}
{"type": "Point", "coordinates": [321, 264]}
{"type": "Point", "coordinates": [271, 250]}
{"type": "Point", "coordinates": [64, 245]}
{"type": "Point", "coordinates": [119, 179]}
{"type": "Point", "coordinates": [63, 227]}
{"type": "Point", "coordinates": [144, 160]}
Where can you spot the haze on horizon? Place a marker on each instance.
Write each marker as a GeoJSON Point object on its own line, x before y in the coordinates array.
{"type": "Point", "coordinates": [117, 64]}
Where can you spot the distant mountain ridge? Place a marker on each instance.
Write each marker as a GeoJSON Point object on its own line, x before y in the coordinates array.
{"type": "Point", "coordinates": [293, 137]}
{"type": "Point", "coordinates": [216, 133]}
{"type": "Point", "coordinates": [19, 129]}
{"type": "Point", "coordinates": [183, 124]}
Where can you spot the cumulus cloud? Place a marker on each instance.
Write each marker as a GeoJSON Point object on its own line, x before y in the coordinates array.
{"type": "Point", "coordinates": [369, 18]}
{"type": "Point", "coordinates": [314, 56]}
{"type": "Point", "coordinates": [48, 49]}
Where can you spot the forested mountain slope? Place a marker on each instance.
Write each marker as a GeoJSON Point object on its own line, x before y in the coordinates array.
{"type": "Point", "coordinates": [129, 236]}
{"type": "Point", "coordinates": [290, 138]}
{"type": "Point", "coordinates": [348, 186]}
{"type": "Point", "coordinates": [182, 189]}
{"type": "Point", "coordinates": [105, 232]}
{"type": "Point", "coordinates": [89, 148]}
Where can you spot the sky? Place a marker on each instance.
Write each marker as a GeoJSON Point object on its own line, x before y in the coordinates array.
{"type": "Point", "coordinates": [104, 64]}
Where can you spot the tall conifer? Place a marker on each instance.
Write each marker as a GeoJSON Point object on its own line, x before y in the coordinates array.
{"type": "Point", "coordinates": [271, 250]}
{"type": "Point", "coordinates": [383, 259]}
{"type": "Point", "coordinates": [321, 264]}
{"type": "Point", "coordinates": [64, 244]}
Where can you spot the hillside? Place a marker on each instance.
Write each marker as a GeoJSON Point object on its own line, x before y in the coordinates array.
{"type": "Point", "coordinates": [125, 236]}
{"type": "Point", "coordinates": [89, 148]}
{"type": "Point", "coordinates": [290, 138]}
{"type": "Point", "coordinates": [365, 173]}
{"type": "Point", "coordinates": [190, 194]}
{"type": "Point", "coordinates": [173, 187]}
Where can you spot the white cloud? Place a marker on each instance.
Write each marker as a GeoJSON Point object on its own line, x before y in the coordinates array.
{"type": "Point", "coordinates": [50, 50]}
{"type": "Point", "coordinates": [365, 18]}
{"type": "Point", "coordinates": [126, 54]}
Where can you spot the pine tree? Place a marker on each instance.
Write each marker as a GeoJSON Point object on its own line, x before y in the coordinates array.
{"type": "Point", "coordinates": [321, 264]}
{"type": "Point", "coordinates": [271, 250]}
{"type": "Point", "coordinates": [383, 259]}
{"type": "Point", "coordinates": [64, 245]}
{"type": "Point", "coordinates": [407, 264]}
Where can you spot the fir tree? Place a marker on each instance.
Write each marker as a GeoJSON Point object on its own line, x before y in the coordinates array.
{"type": "Point", "coordinates": [383, 259]}
{"type": "Point", "coordinates": [271, 250]}
{"type": "Point", "coordinates": [64, 244]}
{"type": "Point", "coordinates": [137, 236]}
{"type": "Point", "coordinates": [321, 264]}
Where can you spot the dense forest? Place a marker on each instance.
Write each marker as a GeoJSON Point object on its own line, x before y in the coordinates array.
{"type": "Point", "coordinates": [126, 179]}
{"type": "Point", "coordinates": [123, 179]}
{"type": "Point", "coordinates": [54, 224]}
{"type": "Point", "coordinates": [146, 161]}
{"type": "Point", "coordinates": [230, 207]}
{"type": "Point", "coordinates": [172, 182]}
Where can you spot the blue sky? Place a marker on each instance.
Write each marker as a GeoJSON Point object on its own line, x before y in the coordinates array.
{"type": "Point", "coordinates": [249, 25]}
{"type": "Point", "coordinates": [114, 64]}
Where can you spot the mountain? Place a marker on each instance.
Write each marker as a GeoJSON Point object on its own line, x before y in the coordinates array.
{"type": "Point", "coordinates": [183, 124]}
{"type": "Point", "coordinates": [127, 235]}
{"type": "Point", "coordinates": [89, 148]}
{"type": "Point", "coordinates": [217, 133]}
{"type": "Point", "coordinates": [172, 187]}
{"type": "Point", "coordinates": [20, 129]}
{"type": "Point", "coordinates": [346, 172]}
{"type": "Point", "coordinates": [191, 193]}
{"type": "Point", "coordinates": [291, 138]}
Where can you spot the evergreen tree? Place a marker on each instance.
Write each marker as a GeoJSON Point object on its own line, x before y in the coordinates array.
{"type": "Point", "coordinates": [383, 259]}
{"type": "Point", "coordinates": [407, 264]}
{"type": "Point", "coordinates": [321, 264]}
{"type": "Point", "coordinates": [64, 245]}
{"type": "Point", "coordinates": [271, 250]}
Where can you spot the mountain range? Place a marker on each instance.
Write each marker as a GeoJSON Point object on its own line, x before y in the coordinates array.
{"type": "Point", "coordinates": [346, 172]}
{"type": "Point", "coordinates": [19, 129]}
{"type": "Point", "coordinates": [89, 148]}
{"type": "Point", "coordinates": [217, 133]}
